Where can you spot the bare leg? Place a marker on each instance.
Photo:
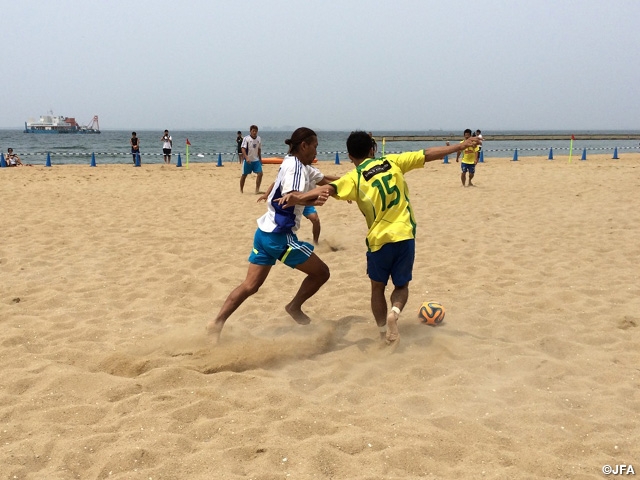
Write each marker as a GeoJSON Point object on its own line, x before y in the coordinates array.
{"type": "Point", "coordinates": [315, 222]}
{"type": "Point", "coordinates": [242, 179]}
{"type": "Point", "coordinates": [379, 305]}
{"type": "Point", "coordinates": [317, 275]}
{"type": "Point", "coordinates": [258, 182]}
{"type": "Point", "coordinates": [256, 275]}
{"type": "Point", "coordinates": [463, 178]}
{"type": "Point", "coordinates": [471, 175]}
{"type": "Point", "coordinates": [399, 298]}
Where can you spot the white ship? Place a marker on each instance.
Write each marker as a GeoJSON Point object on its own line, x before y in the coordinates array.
{"type": "Point", "coordinates": [59, 124]}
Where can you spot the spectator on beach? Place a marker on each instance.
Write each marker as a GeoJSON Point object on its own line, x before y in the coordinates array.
{"type": "Point", "coordinates": [134, 141]}
{"type": "Point", "coordinates": [252, 157]}
{"type": "Point", "coordinates": [13, 160]}
{"type": "Point", "coordinates": [239, 146]}
{"type": "Point", "coordinates": [469, 158]}
{"type": "Point", "coordinates": [479, 135]}
{"type": "Point", "coordinates": [275, 239]}
{"type": "Point", "coordinates": [381, 192]}
{"type": "Point", "coordinates": [167, 143]}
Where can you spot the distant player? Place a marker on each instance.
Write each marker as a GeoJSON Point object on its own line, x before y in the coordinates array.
{"type": "Point", "coordinates": [469, 158]}
{"type": "Point", "coordinates": [252, 157]}
{"type": "Point", "coordinates": [167, 143]}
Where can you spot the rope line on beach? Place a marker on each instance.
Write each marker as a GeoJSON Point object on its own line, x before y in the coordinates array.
{"type": "Point", "coordinates": [282, 154]}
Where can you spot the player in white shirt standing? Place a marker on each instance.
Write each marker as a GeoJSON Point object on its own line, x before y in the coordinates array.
{"type": "Point", "coordinates": [252, 157]}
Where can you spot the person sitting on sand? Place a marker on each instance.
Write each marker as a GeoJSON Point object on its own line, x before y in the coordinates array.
{"type": "Point", "coordinates": [13, 160]}
{"type": "Point", "coordinates": [275, 238]}
{"type": "Point", "coordinates": [379, 188]}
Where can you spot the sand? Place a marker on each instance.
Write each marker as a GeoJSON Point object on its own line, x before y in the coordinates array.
{"type": "Point", "coordinates": [109, 275]}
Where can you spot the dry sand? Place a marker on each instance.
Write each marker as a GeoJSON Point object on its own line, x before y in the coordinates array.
{"type": "Point", "coordinates": [109, 275]}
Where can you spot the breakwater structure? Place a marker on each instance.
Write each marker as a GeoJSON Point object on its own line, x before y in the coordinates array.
{"type": "Point", "coordinates": [507, 137]}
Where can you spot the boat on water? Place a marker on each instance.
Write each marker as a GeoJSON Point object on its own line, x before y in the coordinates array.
{"type": "Point", "coordinates": [60, 124]}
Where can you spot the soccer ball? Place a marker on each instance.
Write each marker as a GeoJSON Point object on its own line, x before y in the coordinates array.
{"type": "Point", "coordinates": [431, 313]}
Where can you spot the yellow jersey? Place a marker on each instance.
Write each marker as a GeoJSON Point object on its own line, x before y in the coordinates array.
{"type": "Point", "coordinates": [378, 186]}
{"type": "Point", "coordinates": [469, 155]}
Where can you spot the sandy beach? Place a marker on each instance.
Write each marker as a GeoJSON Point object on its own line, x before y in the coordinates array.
{"type": "Point", "coordinates": [109, 275]}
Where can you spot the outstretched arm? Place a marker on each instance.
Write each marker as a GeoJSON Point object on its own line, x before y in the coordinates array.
{"type": "Point", "coordinates": [328, 179]}
{"type": "Point", "coordinates": [317, 197]}
{"type": "Point", "coordinates": [438, 153]}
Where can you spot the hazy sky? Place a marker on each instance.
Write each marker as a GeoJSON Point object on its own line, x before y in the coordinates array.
{"type": "Point", "coordinates": [329, 65]}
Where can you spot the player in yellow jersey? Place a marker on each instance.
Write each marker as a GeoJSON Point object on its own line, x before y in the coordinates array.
{"type": "Point", "coordinates": [469, 159]}
{"type": "Point", "coordinates": [379, 188]}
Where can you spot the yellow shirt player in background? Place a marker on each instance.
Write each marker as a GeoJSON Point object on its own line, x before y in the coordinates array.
{"type": "Point", "coordinates": [469, 159]}
{"type": "Point", "coordinates": [379, 188]}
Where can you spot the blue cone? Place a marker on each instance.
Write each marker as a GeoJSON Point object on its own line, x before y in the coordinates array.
{"type": "Point", "coordinates": [48, 162]}
{"type": "Point", "coordinates": [93, 159]}
{"type": "Point", "coordinates": [615, 153]}
{"type": "Point", "coordinates": [515, 155]}
{"type": "Point", "coordinates": [446, 159]}
{"type": "Point", "coordinates": [551, 154]}
{"type": "Point", "coordinates": [219, 160]}
{"type": "Point", "coordinates": [481, 159]}
{"type": "Point", "coordinates": [584, 154]}
{"type": "Point", "coordinates": [179, 164]}
{"type": "Point", "coordinates": [138, 159]}
{"type": "Point", "coordinates": [3, 162]}
{"type": "Point", "coordinates": [337, 159]}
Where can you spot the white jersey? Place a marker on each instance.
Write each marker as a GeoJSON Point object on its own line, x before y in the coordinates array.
{"type": "Point", "coordinates": [252, 145]}
{"type": "Point", "coordinates": [293, 176]}
{"type": "Point", "coordinates": [315, 176]}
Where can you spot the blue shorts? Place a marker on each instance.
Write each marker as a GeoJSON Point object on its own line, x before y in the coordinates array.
{"type": "Point", "coordinates": [251, 167]}
{"type": "Point", "coordinates": [393, 260]}
{"type": "Point", "coordinates": [269, 247]}
{"type": "Point", "coordinates": [468, 167]}
{"type": "Point", "coordinates": [309, 210]}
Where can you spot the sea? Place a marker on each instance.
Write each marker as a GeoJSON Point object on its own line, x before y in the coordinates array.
{"type": "Point", "coordinates": [112, 146]}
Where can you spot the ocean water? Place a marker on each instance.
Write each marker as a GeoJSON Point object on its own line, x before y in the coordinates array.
{"type": "Point", "coordinates": [112, 146]}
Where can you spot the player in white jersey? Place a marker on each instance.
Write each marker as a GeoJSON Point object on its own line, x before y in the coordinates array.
{"type": "Point", "coordinates": [275, 238]}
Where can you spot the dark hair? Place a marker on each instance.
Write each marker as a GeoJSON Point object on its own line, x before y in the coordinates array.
{"type": "Point", "coordinates": [239, 132]}
{"type": "Point", "coordinates": [133, 133]}
{"type": "Point", "coordinates": [359, 144]}
{"type": "Point", "coordinates": [253, 126]}
{"type": "Point", "coordinates": [300, 135]}
{"type": "Point", "coordinates": [468, 130]}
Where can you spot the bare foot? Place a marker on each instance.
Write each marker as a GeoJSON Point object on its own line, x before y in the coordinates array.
{"type": "Point", "coordinates": [298, 315]}
{"type": "Point", "coordinates": [213, 331]}
{"type": "Point", "coordinates": [471, 184]}
{"type": "Point", "coordinates": [393, 335]}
